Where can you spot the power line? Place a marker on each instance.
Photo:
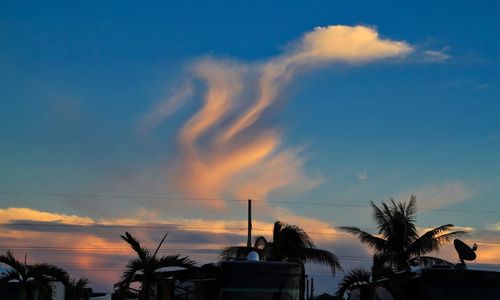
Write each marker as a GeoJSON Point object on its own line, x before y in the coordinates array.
{"type": "Point", "coordinates": [347, 205]}
{"type": "Point", "coordinates": [180, 227]}
{"type": "Point", "coordinates": [166, 226]}
{"type": "Point", "coordinates": [123, 196]}
{"type": "Point", "coordinates": [93, 225]}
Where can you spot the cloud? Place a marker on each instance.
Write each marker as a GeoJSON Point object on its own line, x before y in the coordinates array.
{"type": "Point", "coordinates": [20, 213]}
{"type": "Point", "coordinates": [435, 56]}
{"type": "Point", "coordinates": [226, 148]}
{"type": "Point", "coordinates": [493, 138]}
{"type": "Point", "coordinates": [98, 253]}
{"type": "Point", "coordinates": [437, 196]}
{"type": "Point", "coordinates": [346, 43]}
{"type": "Point", "coordinates": [86, 247]}
{"type": "Point", "coordinates": [482, 87]}
{"type": "Point", "coordinates": [165, 108]}
{"type": "Point", "coordinates": [362, 176]}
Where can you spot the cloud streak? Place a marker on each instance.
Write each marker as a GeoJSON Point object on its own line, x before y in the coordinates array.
{"type": "Point", "coordinates": [164, 109]}
{"type": "Point", "coordinates": [438, 196]}
{"type": "Point", "coordinates": [225, 148]}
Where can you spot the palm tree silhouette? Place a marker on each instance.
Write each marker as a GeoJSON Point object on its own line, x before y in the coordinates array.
{"type": "Point", "coordinates": [147, 265]}
{"type": "Point", "coordinates": [76, 289]}
{"type": "Point", "coordinates": [32, 279]}
{"type": "Point", "coordinates": [356, 277]}
{"type": "Point", "coordinates": [399, 243]}
{"type": "Point", "coordinates": [364, 279]}
{"type": "Point", "coordinates": [290, 243]}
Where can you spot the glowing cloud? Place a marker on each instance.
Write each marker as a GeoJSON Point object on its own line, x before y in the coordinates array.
{"type": "Point", "coordinates": [225, 150]}
{"type": "Point", "coordinates": [20, 213]}
{"type": "Point", "coordinates": [352, 44]}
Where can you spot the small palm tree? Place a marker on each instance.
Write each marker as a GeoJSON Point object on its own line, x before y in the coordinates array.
{"type": "Point", "coordinates": [76, 289]}
{"type": "Point", "coordinates": [364, 279]}
{"type": "Point", "coordinates": [399, 242]}
{"type": "Point", "coordinates": [357, 277]}
{"type": "Point", "coordinates": [147, 265]}
{"type": "Point", "coordinates": [290, 243]}
{"type": "Point", "coordinates": [32, 279]}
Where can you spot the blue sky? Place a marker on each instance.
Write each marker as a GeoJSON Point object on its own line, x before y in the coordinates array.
{"type": "Point", "coordinates": [77, 80]}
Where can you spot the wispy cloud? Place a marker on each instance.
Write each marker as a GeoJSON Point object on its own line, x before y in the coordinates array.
{"type": "Point", "coordinates": [225, 149]}
{"type": "Point", "coordinates": [164, 109]}
{"type": "Point", "coordinates": [21, 213]}
{"type": "Point", "coordinates": [437, 196]}
{"type": "Point", "coordinates": [436, 55]}
{"type": "Point", "coordinates": [492, 138]}
{"type": "Point", "coordinates": [362, 176]}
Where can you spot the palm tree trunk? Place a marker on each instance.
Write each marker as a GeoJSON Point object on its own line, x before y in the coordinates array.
{"type": "Point", "coordinates": [145, 292]}
{"type": "Point", "coordinates": [302, 279]}
{"type": "Point", "coordinates": [23, 293]}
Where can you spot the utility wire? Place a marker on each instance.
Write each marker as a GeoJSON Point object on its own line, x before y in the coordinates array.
{"type": "Point", "coordinates": [180, 227]}
{"type": "Point", "coordinates": [256, 201]}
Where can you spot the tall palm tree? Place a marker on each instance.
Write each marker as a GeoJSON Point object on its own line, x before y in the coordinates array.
{"type": "Point", "coordinates": [32, 279]}
{"type": "Point", "coordinates": [290, 243]}
{"type": "Point", "coordinates": [147, 265]}
{"type": "Point", "coordinates": [398, 240]}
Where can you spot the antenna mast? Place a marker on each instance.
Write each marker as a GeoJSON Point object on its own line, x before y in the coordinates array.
{"type": "Point", "coordinates": [249, 239]}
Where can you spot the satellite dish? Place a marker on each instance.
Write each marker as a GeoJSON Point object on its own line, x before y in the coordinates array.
{"type": "Point", "coordinates": [253, 256]}
{"type": "Point", "coordinates": [464, 251]}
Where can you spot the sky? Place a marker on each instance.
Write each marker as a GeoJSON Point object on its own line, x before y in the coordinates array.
{"type": "Point", "coordinates": [118, 116]}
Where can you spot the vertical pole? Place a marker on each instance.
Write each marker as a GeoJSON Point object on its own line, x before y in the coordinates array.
{"type": "Point", "coordinates": [312, 288]}
{"type": "Point", "coordinates": [249, 239]}
{"type": "Point", "coordinates": [307, 288]}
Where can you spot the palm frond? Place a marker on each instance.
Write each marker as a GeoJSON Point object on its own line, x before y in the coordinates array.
{"type": "Point", "coordinates": [382, 217]}
{"type": "Point", "coordinates": [429, 261]}
{"type": "Point", "coordinates": [292, 236]}
{"type": "Point", "coordinates": [352, 279]}
{"type": "Point", "coordinates": [174, 261]}
{"type": "Point", "coordinates": [12, 262]}
{"type": "Point", "coordinates": [429, 242]}
{"type": "Point", "coordinates": [8, 276]}
{"type": "Point", "coordinates": [321, 257]}
{"type": "Point", "coordinates": [135, 245]}
{"type": "Point", "coordinates": [278, 226]}
{"type": "Point", "coordinates": [383, 264]}
{"type": "Point", "coordinates": [133, 266]}
{"type": "Point", "coordinates": [411, 206]}
{"type": "Point", "coordinates": [76, 288]}
{"type": "Point", "coordinates": [437, 231]}
{"type": "Point", "coordinates": [378, 244]}
{"type": "Point", "coordinates": [260, 242]}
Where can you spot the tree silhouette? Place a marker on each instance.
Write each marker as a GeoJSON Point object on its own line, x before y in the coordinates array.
{"type": "Point", "coordinates": [399, 242]}
{"type": "Point", "coordinates": [290, 243]}
{"type": "Point", "coordinates": [76, 289]}
{"type": "Point", "coordinates": [147, 265]}
{"type": "Point", "coordinates": [32, 279]}
{"type": "Point", "coordinates": [355, 278]}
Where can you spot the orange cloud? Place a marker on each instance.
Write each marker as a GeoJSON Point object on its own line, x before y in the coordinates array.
{"type": "Point", "coordinates": [348, 43]}
{"type": "Point", "coordinates": [224, 148]}
{"type": "Point", "coordinates": [20, 213]}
